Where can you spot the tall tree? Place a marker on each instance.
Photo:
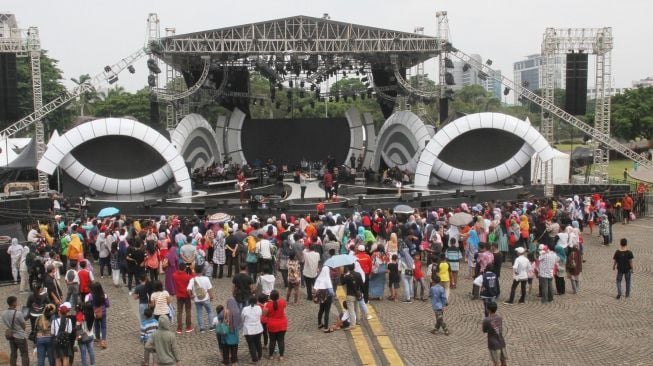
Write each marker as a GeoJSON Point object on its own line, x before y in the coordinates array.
{"type": "Point", "coordinates": [632, 114]}
{"type": "Point", "coordinates": [51, 85]}
{"type": "Point", "coordinates": [85, 101]}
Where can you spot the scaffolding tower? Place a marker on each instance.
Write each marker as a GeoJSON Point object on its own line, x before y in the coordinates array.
{"type": "Point", "coordinates": [26, 43]}
{"type": "Point", "coordinates": [597, 41]}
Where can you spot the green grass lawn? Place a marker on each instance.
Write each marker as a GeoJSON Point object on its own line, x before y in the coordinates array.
{"type": "Point", "coordinates": [616, 168]}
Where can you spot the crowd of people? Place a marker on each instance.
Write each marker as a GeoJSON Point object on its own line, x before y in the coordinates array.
{"type": "Point", "coordinates": [169, 263]}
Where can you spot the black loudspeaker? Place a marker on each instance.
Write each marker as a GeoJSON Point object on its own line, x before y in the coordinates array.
{"type": "Point", "coordinates": [576, 84]}
{"type": "Point", "coordinates": [154, 112]}
{"type": "Point", "coordinates": [8, 90]}
{"type": "Point", "coordinates": [444, 109]}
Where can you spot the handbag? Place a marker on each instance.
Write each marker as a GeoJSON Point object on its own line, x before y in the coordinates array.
{"type": "Point", "coordinates": [251, 257]}
{"type": "Point", "coordinates": [222, 328]}
{"type": "Point", "coordinates": [408, 272]}
{"type": "Point", "coordinates": [9, 333]}
{"type": "Point", "coordinates": [319, 296]}
{"type": "Point", "coordinates": [87, 334]}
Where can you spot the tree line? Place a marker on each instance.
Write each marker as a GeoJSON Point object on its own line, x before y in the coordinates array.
{"type": "Point", "coordinates": [631, 117]}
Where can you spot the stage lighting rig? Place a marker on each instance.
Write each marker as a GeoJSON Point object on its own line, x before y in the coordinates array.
{"type": "Point", "coordinates": [131, 69]}
{"type": "Point", "coordinates": [506, 91]}
{"type": "Point", "coordinates": [152, 66]}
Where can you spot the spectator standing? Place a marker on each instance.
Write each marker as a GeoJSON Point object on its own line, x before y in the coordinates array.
{"type": "Point", "coordinates": [310, 271]}
{"type": "Point", "coordinates": [438, 304]}
{"type": "Point", "coordinates": [200, 289]}
{"type": "Point", "coordinates": [181, 280]}
{"type": "Point", "coordinates": [493, 326]}
{"type": "Point", "coordinates": [15, 323]}
{"type": "Point", "coordinates": [623, 264]}
{"type": "Point", "coordinates": [252, 328]}
{"type": "Point", "coordinates": [164, 343]}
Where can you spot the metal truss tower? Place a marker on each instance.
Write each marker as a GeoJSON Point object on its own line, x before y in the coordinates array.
{"type": "Point", "coordinates": [597, 41]}
{"type": "Point", "coordinates": [27, 43]}
{"type": "Point", "coordinates": [443, 37]}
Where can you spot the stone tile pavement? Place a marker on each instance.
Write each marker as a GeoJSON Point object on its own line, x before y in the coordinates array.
{"type": "Point", "coordinates": [590, 328]}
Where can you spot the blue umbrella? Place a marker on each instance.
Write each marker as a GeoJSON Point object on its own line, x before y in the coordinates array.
{"type": "Point", "coordinates": [340, 260]}
{"type": "Point", "coordinates": [108, 211]}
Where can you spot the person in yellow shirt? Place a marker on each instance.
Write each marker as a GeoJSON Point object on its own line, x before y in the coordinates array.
{"type": "Point", "coordinates": [444, 270]}
{"type": "Point", "coordinates": [75, 248]}
{"type": "Point", "coordinates": [43, 228]}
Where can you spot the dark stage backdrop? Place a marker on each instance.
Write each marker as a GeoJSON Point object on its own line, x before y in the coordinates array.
{"type": "Point", "coordinates": [286, 141]}
{"type": "Point", "coordinates": [118, 157]}
{"type": "Point", "coordinates": [481, 149]}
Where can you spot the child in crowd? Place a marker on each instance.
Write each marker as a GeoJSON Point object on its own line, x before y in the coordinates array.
{"type": "Point", "coordinates": [343, 320]}
{"type": "Point", "coordinates": [418, 276]}
{"type": "Point", "coordinates": [219, 317]}
{"type": "Point", "coordinates": [438, 304]}
{"type": "Point", "coordinates": [294, 277]}
{"type": "Point", "coordinates": [393, 278]}
{"type": "Point", "coordinates": [148, 326]}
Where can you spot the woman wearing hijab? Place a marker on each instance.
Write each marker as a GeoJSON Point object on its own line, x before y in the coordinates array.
{"type": "Point", "coordinates": [170, 265]}
{"type": "Point", "coordinates": [559, 274]}
{"type": "Point", "coordinates": [524, 231]}
{"type": "Point", "coordinates": [574, 265]}
{"type": "Point", "coordinates": [323, 289]}
{"type": "Point", "coordinates": [231, 339]}
{"type": "Point", "coordinates": [379, 268]}
{"type": "Point", "coordinates": [406, 268]}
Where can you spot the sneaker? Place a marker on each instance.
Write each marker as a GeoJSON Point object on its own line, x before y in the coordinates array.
{"type": "Point", "coordinates": [618, 297]}
{"type": "Point", "coordinates": [370, 317]}
{"type": "Point", "coordinates": [408, 301]}
{"type": "Point", "coordinates": [507, 303]}
{"type": "Point", "coordinates": [434, 331]}
{"type": "Point", "coordinates": [202, 331]}
{"type": "Point", "coordinates": [189, 330]}
{"type": "Point", "coordinates": [446, 332]}
{"type": "Point", "coordinates": [178, 331]}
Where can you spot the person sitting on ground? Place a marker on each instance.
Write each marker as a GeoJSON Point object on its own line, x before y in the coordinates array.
{"type": "Point", "coordinates": [343, 320]}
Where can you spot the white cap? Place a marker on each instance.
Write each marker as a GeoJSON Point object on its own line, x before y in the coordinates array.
{"type": "Point", "coordinates": [520, 250]}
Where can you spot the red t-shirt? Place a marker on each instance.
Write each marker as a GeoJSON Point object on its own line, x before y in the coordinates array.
{"type": "Point", "coordinates": [365, 261]}
{"type": "Point", "coordinates": [320, 208]}
{"type": "Point", "coordinates": [84, 281]}
{"type": "Point", "coordinates": [277, 320]}
{"type": "Point", "coordinates": [181, 280]}
{"type": "Point", "coordinates": [417, 272]}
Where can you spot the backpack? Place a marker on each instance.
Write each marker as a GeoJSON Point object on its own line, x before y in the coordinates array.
{"type": "Point", "coordinates": [70, 276]}
{"type": "Point", "coordinates": [62, 340]}
{"type": "Point", "coordinates": [199, 291]}
{"type": "Point", "coordinates": [489, 284]}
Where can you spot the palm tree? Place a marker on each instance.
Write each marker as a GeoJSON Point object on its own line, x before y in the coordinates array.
{"type": "Point", "coordinates": [87, 98]}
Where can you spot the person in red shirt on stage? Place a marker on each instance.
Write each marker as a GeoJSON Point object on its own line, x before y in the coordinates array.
{"type": "Point", "coordinates": [328, 185]}
{"type": "Point", "coordinates": [320, 207]}
{"type": "Point", "coordinates": [365, 261]}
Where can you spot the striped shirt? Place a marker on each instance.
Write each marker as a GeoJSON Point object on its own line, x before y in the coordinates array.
{"type": "Point", "coordinates": [148, 326]}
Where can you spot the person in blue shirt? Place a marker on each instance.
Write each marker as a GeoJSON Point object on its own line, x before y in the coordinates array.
{"type": "Point", "coordinates": [439, 304]}
{"type": "Point", "coordinates": [148, 326]}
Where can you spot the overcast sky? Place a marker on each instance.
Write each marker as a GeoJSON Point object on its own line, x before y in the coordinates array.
{"type": "Point", "coordinates": [86, 35]}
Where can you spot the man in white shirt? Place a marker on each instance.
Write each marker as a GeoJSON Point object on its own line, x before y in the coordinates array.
{"type": "Point", "coordinates": [267, 281]}
{"type": "Point", "coordinates": [33, 235]}
{"type": "Point", "coordinates": [520, 269]}
{"type": "Point", "coordinates": [199, 288]}
{"type": "Point", "coordinates": [310, 271]}
{"type": "Point", "coordinates": [264, 249]}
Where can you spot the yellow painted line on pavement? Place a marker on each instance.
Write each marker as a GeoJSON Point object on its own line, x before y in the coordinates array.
{"type": "Point", "coordinates": [360, 342]}
{"type": "Point", "coordinates": [389, 350]}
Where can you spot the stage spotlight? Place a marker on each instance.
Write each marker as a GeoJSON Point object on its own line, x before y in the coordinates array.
{"type": "Point", "coordinates": [506, 91]}
{"type": "Point", "coordinates": [312, 87]}
{"type": "Point", "coordinates": [488, 62]}
{"type": "Point", "coordinates": [466, 67]}
{"type": "Point", "coordinates": [151, 80]}
{"type": "Point", "coordinates": [448, 78]}
{"type": "Point", "coordinates": [107, 68]}
{"type": "Point", "coordinates": [113, 79]}
{"type": "Point", "coordinates": [525, 83]}
{"type": "Point", "coordinates": [301, 84]}
{"type": "Point", "coordinates": [482, 75]}
{"type": "Point", "coordinates": [131, 69]}
{"type": "Point", "coordinates": [448, 63]}
{"type": "Point", "coordinates": [152, 66]}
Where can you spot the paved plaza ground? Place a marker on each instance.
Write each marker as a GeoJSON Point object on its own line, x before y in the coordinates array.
{"type": "Point", "coordinates": [591, 328]}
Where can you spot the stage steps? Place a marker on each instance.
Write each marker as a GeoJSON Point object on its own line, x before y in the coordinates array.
{"type": "Point", "coordinates": [360, 179]}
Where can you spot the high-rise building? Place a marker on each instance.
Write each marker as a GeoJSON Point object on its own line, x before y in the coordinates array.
{"type": "Point", "coordinates": [643, 82]}
{"type": "Point", "coordinates": [465, 75]}
{"type": "Point", "coordinates": [494, 86]}
{"type": "Point", "coordinates": [528, 72]}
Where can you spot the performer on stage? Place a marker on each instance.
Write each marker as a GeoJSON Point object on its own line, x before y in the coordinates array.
{"type": "Point", "coordinates": [242, 185]}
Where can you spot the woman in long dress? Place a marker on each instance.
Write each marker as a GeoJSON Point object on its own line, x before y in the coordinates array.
{"type": "Point", "coordinates": [379, 268]}
{"type": "Point", "coordinates": [173, 264]}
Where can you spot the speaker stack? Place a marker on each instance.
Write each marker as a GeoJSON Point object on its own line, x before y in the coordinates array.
{"type": "Point", "coordinates": [576, 80]}
{"type": "Point", "coordinates": [8, 90]}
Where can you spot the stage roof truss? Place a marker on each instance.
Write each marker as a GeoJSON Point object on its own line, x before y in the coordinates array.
{"type": "Point", "coordinates": [299, 35]}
